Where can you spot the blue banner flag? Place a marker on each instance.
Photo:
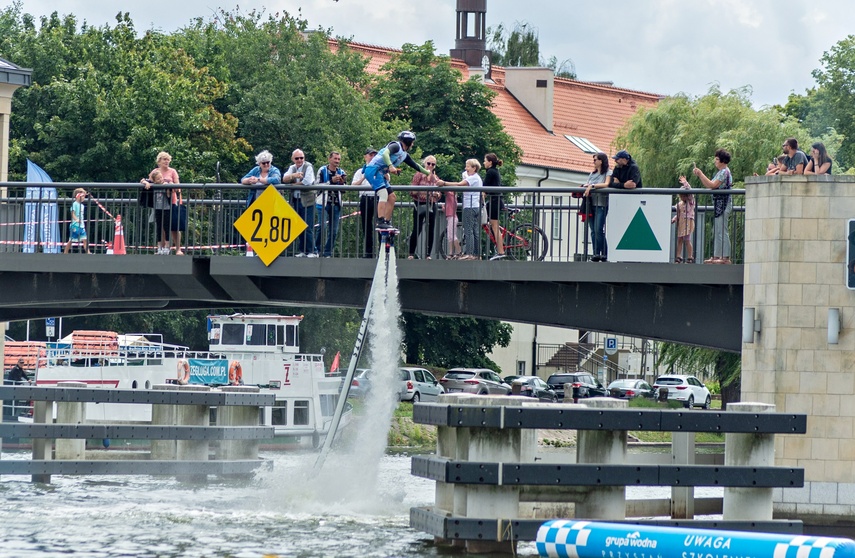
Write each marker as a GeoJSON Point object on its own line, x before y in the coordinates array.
{"type": "Point", "coordinates": [40, 214]}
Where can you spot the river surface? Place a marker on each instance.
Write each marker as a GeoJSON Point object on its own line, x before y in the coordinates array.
{"type": "Point", "coordinates": [279, 512]}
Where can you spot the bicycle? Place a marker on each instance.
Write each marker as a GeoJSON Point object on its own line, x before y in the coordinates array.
{"type": "Point", "coordinates": [525, 242]}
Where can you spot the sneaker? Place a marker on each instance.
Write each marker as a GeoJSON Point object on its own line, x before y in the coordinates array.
{"type": "Point", "coordinates": [498, 257]}
{"type": "Point", "coordinates": [383, 224]}
{"type": "Point", "coordinates": [313, 255]}
{"type": "Point", "coordinates": [300, 255]}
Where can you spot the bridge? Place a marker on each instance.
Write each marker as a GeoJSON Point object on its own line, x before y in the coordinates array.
{"type": "Point", "coordinates": [692, 304]}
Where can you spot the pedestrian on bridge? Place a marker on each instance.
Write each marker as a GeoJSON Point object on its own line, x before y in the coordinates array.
{"type": "Point", "coordinates": [77, 227]}
{"type": "Point", "coordinates": [723, 206]}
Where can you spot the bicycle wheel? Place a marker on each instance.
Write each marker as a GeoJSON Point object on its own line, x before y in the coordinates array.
{"type": "Point", "coordinates": [442, 249]}
{"type": "Point", "coordinates": [527, 242]}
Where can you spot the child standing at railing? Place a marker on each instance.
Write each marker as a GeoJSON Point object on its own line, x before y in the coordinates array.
{"type": "Point", "coordinates": [685, 220]}
{"type": "Point", "coordinates": [77, 228]}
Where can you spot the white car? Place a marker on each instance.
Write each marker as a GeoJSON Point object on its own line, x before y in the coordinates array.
{"type": "Point", "coordinates": [418, 384]}
{"type": "Point", "coordinates": [688, 390]}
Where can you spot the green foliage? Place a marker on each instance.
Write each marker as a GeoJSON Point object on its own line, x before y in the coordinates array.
{"type": "Point", "coordinates": [667, 139]}
{"type": "Point", "coordinates": [450, 342]}
{"type": "Point", "coordinates": [449, 116]}
{"type": "Point", "coordinates": [104, 102]}
{"type": "Point", "coordinates": [830, 105]}
{"type": "Point", "coordinates": [727, 367]}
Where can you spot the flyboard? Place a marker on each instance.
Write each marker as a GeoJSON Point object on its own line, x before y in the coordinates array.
{"type": "Point", "coordinates": [378, 286]}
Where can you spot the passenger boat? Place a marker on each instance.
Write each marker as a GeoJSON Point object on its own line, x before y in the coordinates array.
{"type": "Point", "coordinates": [244, 349]}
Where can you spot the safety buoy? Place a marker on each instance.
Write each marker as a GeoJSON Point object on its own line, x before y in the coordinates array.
{"type": "Point", "coordinates": [183, 372]}
{"type": "Point", "coordinates": [235, 373]}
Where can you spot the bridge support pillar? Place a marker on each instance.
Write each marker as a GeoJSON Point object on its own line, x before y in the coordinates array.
{"type": "Point", "coordinates": [164, 415]}
{"type": "Point", "coordinates": [70, 412]}
{"type": "Point", "coordinates": [607, 447]}
{"type": "Point", "coordinates": [747, 450]}
{"type": "Point", "coordinates": [243, 415]}
{"type": "Point", "coordinates": [192, 450]}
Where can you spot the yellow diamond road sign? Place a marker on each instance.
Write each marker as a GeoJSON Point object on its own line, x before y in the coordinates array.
{"type": "Point", "coordinates": [269, 225]}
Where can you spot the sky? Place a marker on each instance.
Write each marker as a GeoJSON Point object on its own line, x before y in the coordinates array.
{"type": "Point", "coordinates": [658, 46]}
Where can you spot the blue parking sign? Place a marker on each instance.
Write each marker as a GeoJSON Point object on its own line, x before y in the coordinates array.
{"type": "Point", "coordinates": [611, 345]}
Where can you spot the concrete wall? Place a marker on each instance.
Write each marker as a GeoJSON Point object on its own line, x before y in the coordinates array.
{"type": "Point", "coordinates": [795, 253]}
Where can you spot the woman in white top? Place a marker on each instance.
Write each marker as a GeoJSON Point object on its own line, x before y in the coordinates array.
{"type": "Point", "coordinates": [471, 208]}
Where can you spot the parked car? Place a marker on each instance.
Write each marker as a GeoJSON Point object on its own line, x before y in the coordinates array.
{"type": "Point", "coordinates": [418, 384]}
{"type": "Point", "coordinates": [630, 388]}
{"type": "Point", "coordinates": [361, 383]}
{"type": "Point", "coordinates": [481, 381]}
{"type": "Point", "coordinates": [688, 390]}
{"type": "Point", "coordinates": [584, 385]}
{"type": "Point", "coordinates": [532, 386]}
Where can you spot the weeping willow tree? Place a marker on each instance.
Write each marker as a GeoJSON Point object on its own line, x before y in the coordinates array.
{"type": "Point", "coordinates": [727, 367]}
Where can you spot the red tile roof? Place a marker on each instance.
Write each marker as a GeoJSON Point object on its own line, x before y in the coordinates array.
{"type": "Point", "coordinates": [593, 111]}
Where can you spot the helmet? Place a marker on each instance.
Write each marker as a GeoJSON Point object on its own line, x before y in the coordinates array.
{"type": "Point", "coordinates": [407, 137]}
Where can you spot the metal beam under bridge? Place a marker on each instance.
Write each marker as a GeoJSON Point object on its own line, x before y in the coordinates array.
{"type": "Point", "coordinates": [692, 304]}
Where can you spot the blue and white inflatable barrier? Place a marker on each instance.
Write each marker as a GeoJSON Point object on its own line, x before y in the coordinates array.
{"type": "Point", "coordinates": [563, 538]}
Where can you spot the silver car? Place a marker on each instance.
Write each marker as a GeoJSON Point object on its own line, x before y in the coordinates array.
{"type": "Point", "coordinates": [418, 384]}
{"type": "Point", "coordinates": [480, 381]}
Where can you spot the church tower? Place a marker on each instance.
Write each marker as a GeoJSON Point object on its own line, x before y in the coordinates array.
{"type": "Point", "coordinates": [470, 44]}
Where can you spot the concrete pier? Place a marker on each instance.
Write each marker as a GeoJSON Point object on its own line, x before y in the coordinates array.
{"type": "Point", "coordinates": [756, 450]}
{"type": "Point", "coordinates": [238, 415]}
{"type": "Point", "coordinates": [605, 447]}
{"type": "Point", "coordinates": [70, 412]}
{"type": "Point", "coordinates": [164, 415]}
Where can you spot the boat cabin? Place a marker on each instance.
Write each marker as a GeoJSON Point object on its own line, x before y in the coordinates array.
{"type": "Point", "coordinates": [254, 333]}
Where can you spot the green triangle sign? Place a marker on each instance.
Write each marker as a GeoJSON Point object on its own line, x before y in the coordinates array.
{"type": "Point", "coordinates": [639, 235]}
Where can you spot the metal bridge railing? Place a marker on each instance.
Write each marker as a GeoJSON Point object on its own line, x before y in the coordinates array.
{"type": "Point", "coordinates": [544, 223]}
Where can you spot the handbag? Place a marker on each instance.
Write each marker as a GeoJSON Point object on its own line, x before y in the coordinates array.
{"type": "Point", "coordinates": [483, 214]}
{"type": "Point", "coordinates": [178, 219]}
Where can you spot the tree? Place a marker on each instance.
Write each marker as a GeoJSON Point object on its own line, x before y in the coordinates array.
{"type": "Point", "coordinates": [727, 367]}
{"type": "Point", "coordinates": [667, 139]}
{"type": "Point", "coordinates": [449, 342]}
{"type": "Point", "coordinates": [104, 102]}
{"type": "Point", "coordinates": [522, 48]}
{"type": "Point", "coordinates": [449, 116]}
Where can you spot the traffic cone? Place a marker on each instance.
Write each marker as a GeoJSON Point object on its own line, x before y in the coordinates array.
{"type": "Point", "coordinates": [249, 252]}
{"type": "Point", "coordinates": [119, 238]}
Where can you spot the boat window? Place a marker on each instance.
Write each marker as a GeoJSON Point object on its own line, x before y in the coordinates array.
{"type": "Point", "coordinates": [291, 336]}
{"type": "Point", "coordinates": [232, 334]}
{"type": "Point", "coordinates": [214, 336]}
{"type": "Point", "coordinates": [256, 335]}
{"type": "Point", "coordinates": [328, 403]}
{"type": "Point", "coordinates": [280, 414]}
{"type": "Point", "coordinates": [280, 335]}
{"type": "Point", "coordinates": [301, 413]}
{"type": "Point", "coordinates": [271, 335]}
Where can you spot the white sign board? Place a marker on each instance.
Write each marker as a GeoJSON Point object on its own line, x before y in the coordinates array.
{"type": "Point", "coordinates": [638, 228]}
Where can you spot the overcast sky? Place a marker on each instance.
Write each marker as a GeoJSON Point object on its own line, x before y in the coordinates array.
{"type": "Point", "coordinates": [659, 46]}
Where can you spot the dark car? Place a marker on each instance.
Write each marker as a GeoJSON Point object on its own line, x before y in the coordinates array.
{"type": "Point", "coordinates": [630, 388]}
{"type": "Point", "coordinates": [584, 385]}
{"type": "Point", "coordinates": [532, 386]}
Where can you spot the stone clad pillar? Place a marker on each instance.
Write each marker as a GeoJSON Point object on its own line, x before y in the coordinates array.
{"type": "Point", "coordinates": [70, 412]}
{"type": "Point", "coordinates": [795, 271]}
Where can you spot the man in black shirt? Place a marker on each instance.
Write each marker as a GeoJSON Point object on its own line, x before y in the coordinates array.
{"type": "Point", "coordinates": [17, 374]}
{"type": "Point", "coordinates": [625, 174]}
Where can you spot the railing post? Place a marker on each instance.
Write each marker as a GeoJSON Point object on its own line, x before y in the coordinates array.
{"type": "Point", "coordinates": [606, 447]}
{"type": "Point", "coordinates": [238, 415]}
{"type": "Point", "coordinates": [164, 415]}
{"type": "Point", "coordinates": [749, 450]}
{"type": "Point", "coordinates": [192, 415]}
{"type": "Point", "coordinates": [70, 412]}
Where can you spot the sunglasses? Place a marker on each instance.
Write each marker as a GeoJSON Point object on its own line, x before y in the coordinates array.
{"type": "Point", "coordinates": [264, 163]}
{"type": "Point", "coordinates": [299, 158]}
{"type": "Point", "coordinates": [430, 164]}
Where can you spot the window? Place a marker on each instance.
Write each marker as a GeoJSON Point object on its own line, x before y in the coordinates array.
{"type": "Point", "coordinates": [429, 377]}
{"type": "Point", "coordinates": [520, 368]}
{"type": "Point", "coordinates": [583, 144]}
{"type": "Point", "coordinates": [256, 334]}
{"type": "Point", "coordinates": [280, 414]}
{"type": "Point", "coordinates": [291, 336]}
{"type": "Point", "coordinates": [420, 375]}
{"type": "Point", "coordinates": [271, 335]}
{"type": "Point", "coordinates": [214, 336]}
{"type": "Point", "coordinates": [280, 335]}
{"type": "Point", "coordinates": [232, 334]}
{"type": "Point", "coordinates": [301, 413]}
